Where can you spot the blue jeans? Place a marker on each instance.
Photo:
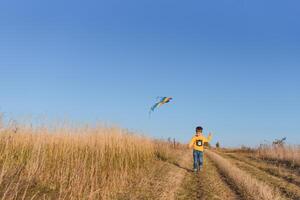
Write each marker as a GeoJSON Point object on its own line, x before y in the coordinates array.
{"type": "Point", "coordinates": [198, 159]}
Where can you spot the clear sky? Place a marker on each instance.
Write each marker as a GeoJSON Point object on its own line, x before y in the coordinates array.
{"type": "Point", "coordinates": [232, 66]}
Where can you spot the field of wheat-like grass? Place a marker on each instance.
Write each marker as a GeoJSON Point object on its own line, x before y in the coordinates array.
{"type": "Point", "coordinates": [72, 163]}
{"type": "Point", "coordinates": [284, 153]}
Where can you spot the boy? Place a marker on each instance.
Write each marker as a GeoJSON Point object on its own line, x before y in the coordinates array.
{"type": "Point", "coordinates": [197, 143]}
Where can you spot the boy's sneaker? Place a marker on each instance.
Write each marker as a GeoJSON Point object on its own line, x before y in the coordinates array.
{"type": "Point", "coordinates": [195, 170]}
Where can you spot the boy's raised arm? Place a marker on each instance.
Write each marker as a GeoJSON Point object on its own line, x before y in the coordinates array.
{"type": "Point", "coordinates": [209, 137]}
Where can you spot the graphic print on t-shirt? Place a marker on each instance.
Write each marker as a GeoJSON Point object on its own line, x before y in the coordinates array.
{"type": "Point", "coordinates": [199, 143]}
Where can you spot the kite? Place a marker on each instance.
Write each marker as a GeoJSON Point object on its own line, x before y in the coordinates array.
{"type": "Point", "coordinates": [162, 101]}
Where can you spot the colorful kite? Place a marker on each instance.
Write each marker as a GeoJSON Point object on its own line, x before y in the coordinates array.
{"type": "Point", "coordinates": [163, 100]}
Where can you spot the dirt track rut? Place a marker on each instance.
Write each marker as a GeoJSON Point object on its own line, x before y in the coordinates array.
{"type": "Point", "coordinates": [208, 184]}
{"type": "Point", "coordinates": [287, 188]}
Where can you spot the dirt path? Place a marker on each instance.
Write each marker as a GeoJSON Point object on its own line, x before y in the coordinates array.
{"type": "Point", "coordinates": [177, 173]}
{"type": "Point", "coordinates": [288, 189]}
{"type": "Point", "coordinates": [175, 180]}
{"type": "Point", "coordinates": [163, 181]}
{"type": "Point", "coordinates": [275, 169]}
{"type": "Point", "coordinates": [208, 184]}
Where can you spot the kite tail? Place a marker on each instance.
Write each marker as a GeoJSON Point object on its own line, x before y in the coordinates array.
{"type": "Point", "coordinates": [150, 114]}
{"type": "Point", "coordinates": [153, 108]}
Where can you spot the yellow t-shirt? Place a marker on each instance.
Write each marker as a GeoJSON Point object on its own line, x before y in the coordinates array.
{"type": "Point", "coordinates": [197, 142]}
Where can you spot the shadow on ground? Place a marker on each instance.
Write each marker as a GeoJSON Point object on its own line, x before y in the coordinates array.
{"type": "Point", "coordinates": [181, 167]}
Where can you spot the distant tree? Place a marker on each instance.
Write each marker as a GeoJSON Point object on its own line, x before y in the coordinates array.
{"type": "Point", "coordinates": [279, 142]}
{"type": "Point", "coordinates": [217, 145]}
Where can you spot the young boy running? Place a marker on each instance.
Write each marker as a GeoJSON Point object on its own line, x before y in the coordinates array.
{"type": "Point", "coordinates": [197, 143]}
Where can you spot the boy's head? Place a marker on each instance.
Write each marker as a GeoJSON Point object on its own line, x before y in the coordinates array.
{"type": "Point", "coordinates": [199, 129]}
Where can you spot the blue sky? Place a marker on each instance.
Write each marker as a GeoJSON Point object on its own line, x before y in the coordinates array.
{"type": "Point", "coordinates": [232, 66]}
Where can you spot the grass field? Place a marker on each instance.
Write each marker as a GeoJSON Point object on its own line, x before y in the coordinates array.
{"type": "Point", "coordinates": [112, 163]}
{"type": "Point", "coordinates": [75, 163]}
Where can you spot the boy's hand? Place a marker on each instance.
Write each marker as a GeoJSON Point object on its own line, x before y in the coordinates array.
{"type": "Point", "coordinates": [209, 134]}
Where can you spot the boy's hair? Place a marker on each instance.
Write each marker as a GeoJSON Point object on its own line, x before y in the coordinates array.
{"type": "Point", "coordinates": [199, 128]}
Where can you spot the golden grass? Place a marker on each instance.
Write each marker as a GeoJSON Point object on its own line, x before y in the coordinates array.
{"type": "Point", "coordinates": [72, 163]}
{"type": "Point", "coordinates": [283, 153]}
{"type": "Point", "coordinates": [254, 188]}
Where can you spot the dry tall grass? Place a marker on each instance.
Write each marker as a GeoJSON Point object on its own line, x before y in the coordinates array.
{"type": "Point", "coordinates": [282, 153]}
{"type": "Point", "coordinates": [72, 163]}
{"type": "Point", "coordinates": [254, 188]}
